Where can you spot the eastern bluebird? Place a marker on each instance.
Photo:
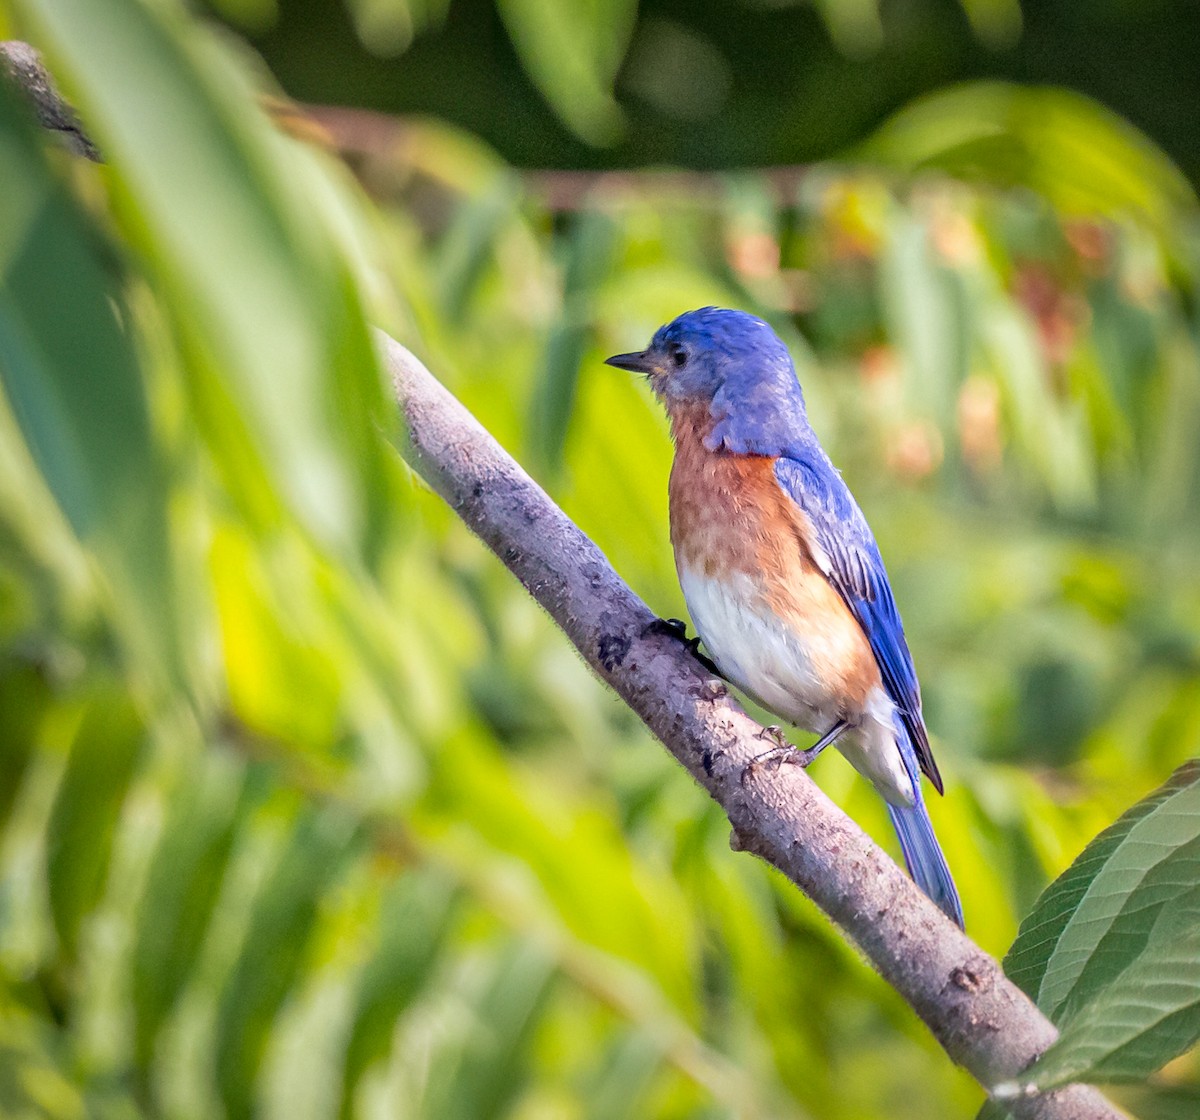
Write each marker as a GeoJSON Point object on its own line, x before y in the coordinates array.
{"type": "Point", "coordinates": [780, 571]}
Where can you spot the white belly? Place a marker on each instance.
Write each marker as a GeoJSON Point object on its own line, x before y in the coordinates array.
{"type": "Point", "coordinates": [755, 651]}
{"type": "Point", "coordinates": [773, 664]}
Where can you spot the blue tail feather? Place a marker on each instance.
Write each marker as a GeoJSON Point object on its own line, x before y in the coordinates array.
{"type": "Point", "coordinates": [924, 858]}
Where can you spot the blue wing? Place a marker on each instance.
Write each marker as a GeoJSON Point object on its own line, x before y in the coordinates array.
{"type": "Point", "coordinates": [852, 564]}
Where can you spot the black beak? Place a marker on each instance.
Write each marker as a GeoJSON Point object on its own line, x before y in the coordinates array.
{"type": "Point", "coordinates": [640, 362]}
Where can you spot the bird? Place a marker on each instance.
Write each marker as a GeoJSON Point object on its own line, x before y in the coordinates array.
{"type": "Point", "coordinates": [780, 571]}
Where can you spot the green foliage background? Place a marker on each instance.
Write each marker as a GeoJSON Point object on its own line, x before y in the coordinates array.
{"type": "Point", "coordinates": [307, 810]}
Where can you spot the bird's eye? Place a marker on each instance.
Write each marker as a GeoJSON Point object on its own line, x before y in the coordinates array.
{"type": "Point", "coordinates": [679, 356]}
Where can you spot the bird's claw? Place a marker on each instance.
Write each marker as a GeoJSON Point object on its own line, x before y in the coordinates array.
{"type": "Point", "coordinates": [676, 628]}
{"type": "Point", "coordinates": [781, 752]}
{"type": "Point", "coordinates": [671, 627]}
{"type": "Point", "coordinates": [708, 689]}
{"type": "Point", "coordinates": [775, 734]}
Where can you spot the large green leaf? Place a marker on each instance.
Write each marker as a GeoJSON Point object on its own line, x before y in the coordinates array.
{"type": "Point", "coordinates": [1040, 932]}
{"type": "Point", "coordinates": [71, 375]}
{"type": "Point", "coordinates": [1110, 952]}
{"type": "Point", "coordinates": [1148, 1014]}
{"type": "Point", "coordinates": [282, 374]}
{"type": "Point", "coordinates": [572, 52]}
{"type": "Point", "coordinates": [1066, 147]}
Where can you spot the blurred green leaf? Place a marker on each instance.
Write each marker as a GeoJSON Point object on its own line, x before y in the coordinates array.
{"type": "Point", "coordinates": [71, 375]}
{"type": "Point", "coordinates": [273, 953]}
{"type": "Point", "coordinates": [572, 52]}
{"type": "Point", "coordinates": [854, 25]}
{"type": "Point", "coordinates": [1162, 1102]}
{"type": "Point", "coordinates": [1066, 147]}
{"type": "Point", "coordinates": [250, 14]}
{"type": "Point", "coordinates": [185, 879]}
{"type": "Point", "coordinates": [588, 253]}
{"type": "Point", "coordinates": [282, 682]}
{"type": "Point", "coordinates": [628, 1068]}
{"type": "Point", "coordinates": [88, 806]}
{"type": "Point", "coordinates": [33, 1082]}
{"type": "Point", "coordinates": [477, 1074]}
{"type": "Point", "coordinates": [387, 27]}
{"type": "Point", "coordinates": [251, 281]}
{"type": "Point", "coordinates": [25, 697]}
{"type": "Point", "coordinates": [467, 245]}
{"type": "Point", "coordinates": [598, 891]}
{"type": "Point", "coordinates": [1051, 431]}
{"type": "Point", "coordinates": [996, 22]}
{"type": "Point", "coordinates": [417, 912]}
{"type": "Point", "coordinates": [922, 314]}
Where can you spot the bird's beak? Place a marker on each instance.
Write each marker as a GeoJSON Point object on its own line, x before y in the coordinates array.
{"type": "Point", "coordinates": [640, 362]}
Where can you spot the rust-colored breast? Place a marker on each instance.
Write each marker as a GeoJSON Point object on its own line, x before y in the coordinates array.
{"type": "Point", "coordinates": [730, 517]}
{"type": "Point", "coordinates": [728, 513]}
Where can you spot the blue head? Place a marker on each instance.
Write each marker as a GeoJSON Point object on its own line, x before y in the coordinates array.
{"type": "Point", "coordinates": [734, 364]}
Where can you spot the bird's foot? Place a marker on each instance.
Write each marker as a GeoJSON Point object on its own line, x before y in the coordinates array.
{"type": "Point", "coordinates": [676, 628]}
{"type": "Point", "coordinates": [671, 627]}
{"type": "Point", "coordinates": [776, 735]}
{"type": "Point", "coordinates": [781, 752]}
{"type": "Point", "coordinates": [709, 689]}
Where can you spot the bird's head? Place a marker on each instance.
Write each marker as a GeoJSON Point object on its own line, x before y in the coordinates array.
{"type": "Point", "coordinates": [730, 361]}
{"type": "Point", "coordinates": [695, 355]}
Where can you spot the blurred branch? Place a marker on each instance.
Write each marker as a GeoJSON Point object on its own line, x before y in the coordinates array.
{"type": "Point", "coordinates": [382, 136]}
{"type": "Point", "coordinates": [984, 1022]}
{"type": "Point", "coordinates": [24, 68]}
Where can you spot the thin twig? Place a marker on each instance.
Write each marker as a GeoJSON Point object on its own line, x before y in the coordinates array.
{"type": "Point", "coordinates": [374, 135]}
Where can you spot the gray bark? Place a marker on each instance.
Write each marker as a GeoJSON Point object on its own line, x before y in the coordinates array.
{"type": "Point", "coordinates": [24, 68]}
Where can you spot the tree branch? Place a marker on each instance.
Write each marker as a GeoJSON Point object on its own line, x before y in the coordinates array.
{"type": "Point", "coordinates": [354, 131]}
{"type": "Point", "coordinates": [983, 1020]}
{"type": "Point", "coordinates": [25, 70]}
